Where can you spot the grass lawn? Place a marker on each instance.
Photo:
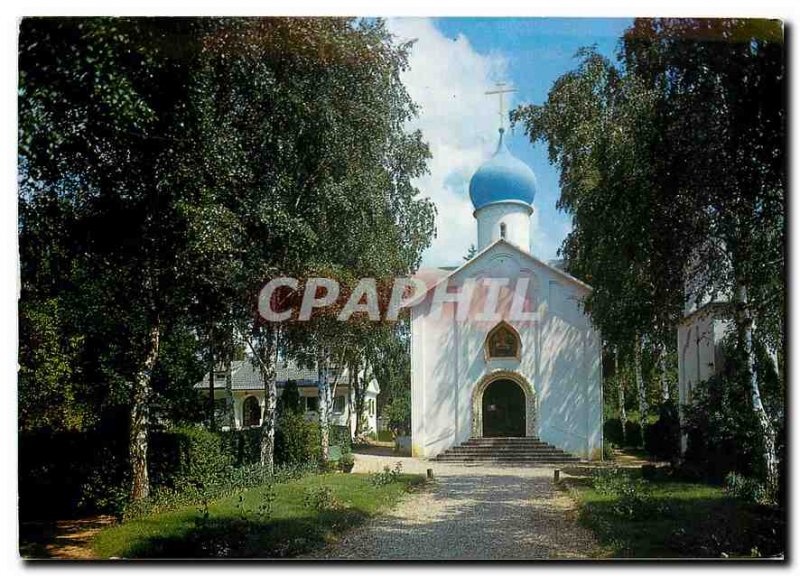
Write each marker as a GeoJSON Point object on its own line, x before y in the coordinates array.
{"type": "Point", "coordinates": [236, 528]}
{"type": "Point", "coordinates": [681, 520]}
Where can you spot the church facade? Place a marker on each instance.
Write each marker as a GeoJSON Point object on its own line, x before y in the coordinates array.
{"type": "Point", "coordinates": [523, 358]}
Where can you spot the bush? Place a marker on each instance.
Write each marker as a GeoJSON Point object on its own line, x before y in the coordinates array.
{"type": "Point", "coordinates": [61, 474]}
{"type": "Point", "coordinates": [747, 489]}
{"type": "Point", "coordinates": [347, 461]}
{"type": "Point", "coordinates": [387, 476]}
{"type": "Point", "coordinates": [723, 432]}
{"type": "Point", "coordinates": [633, 434]}
{"type": "Point", "coordinates": [608, 450]}
{"type": "Point", "coordinates": [297, 440]}
{"type": "Point", "coordinates": [187, 456]}
{"type": "Point", "coordinates": [662, 438]}
{"type": "Point", "coordinates": [243, 445]}
{"type": "Point", "coordinates": [612, 431]}
{"type": "Point", "coordinates": [632, 498]}
{"type": "Point", "coordinates": [322, 499]}
{"type": "Point", "coordinates": [340, 436]}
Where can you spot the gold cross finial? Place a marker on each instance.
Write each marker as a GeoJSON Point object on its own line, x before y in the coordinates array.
{"type": "Point", "coordinates": [500, 90]}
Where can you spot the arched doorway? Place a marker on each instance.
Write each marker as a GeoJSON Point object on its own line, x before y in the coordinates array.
{"type": "Point", "coordinates": [480, 402]}
{"type": "Point", "coordinates": [251, 412]}
{"type": "Point", "coordinates": [503, 407]}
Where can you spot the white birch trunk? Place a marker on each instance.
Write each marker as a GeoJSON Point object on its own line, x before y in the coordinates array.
{"type": "Point", "coordinates": [137, 440]}
{"type": "Point", "coordinates": [623, 415]}
{"type": "Point", "coordinates": [324, 401]}
{"type": "Point", "coordinates": [640, 387]}
{"type": "Point", "coordinates": [745, 321]}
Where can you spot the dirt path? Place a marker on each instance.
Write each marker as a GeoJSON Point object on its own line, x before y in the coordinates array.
{"type": "Point", "coordinates": [470, 513]}
{"type": "Point", "coordinates": [61, 540]}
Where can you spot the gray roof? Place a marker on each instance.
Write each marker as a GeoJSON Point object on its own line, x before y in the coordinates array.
{"type": "Point", "coordinates": [246, 376]}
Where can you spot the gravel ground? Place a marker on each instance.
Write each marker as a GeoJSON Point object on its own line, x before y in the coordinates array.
{"type": "Point", "coordinates": [469, 513]}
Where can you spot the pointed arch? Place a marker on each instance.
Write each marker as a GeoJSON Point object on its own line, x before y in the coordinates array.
{"type": "Point", "coordinates": [503, 341]}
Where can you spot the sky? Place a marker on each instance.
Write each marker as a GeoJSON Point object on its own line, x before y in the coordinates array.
{"type": "Point", "coordinates": [452, 64]}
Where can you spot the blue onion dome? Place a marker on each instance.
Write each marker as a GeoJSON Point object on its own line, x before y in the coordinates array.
{"type": "Point", "coordinates": [502, 178]}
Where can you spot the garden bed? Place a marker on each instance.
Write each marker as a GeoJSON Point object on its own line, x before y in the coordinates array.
{"type": "Point", "coordinates": [666, 518]}
{"type": "Point", "coordinates": [270, 521]}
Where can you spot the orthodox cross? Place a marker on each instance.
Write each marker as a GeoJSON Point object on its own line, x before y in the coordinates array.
{"type": "Point", "coordinates": [500, 90]}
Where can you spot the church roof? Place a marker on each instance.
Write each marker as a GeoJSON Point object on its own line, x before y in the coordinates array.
{"type": "Point", "coordinates": [502, 178]}
{"type": "Point", "coordinates": [558, 272]}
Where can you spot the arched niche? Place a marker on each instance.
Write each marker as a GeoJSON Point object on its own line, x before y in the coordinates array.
{"type": "Point", "coordinates": [503, 342]}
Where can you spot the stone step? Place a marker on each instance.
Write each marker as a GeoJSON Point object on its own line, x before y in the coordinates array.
{"type": "Point", "coordinates": [512, 450]}
{"type": "Point", "coordinates": [531, 448]}
{"type": "Point", "coordinates": [508, 461]}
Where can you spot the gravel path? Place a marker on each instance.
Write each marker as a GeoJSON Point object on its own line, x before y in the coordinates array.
{"type": "Point", "coordinates": [469, 513]}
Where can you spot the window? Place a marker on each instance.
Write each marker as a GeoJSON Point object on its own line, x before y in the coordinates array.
{"type": "Point", "coordinates": [502, 342]}
{"type": "Point", "coordinates": [338, 404]}
{"type": "Point", "coordinates": [251, 412]}
{"type": "Point", "coordinates": [312, 403]}
{"type": "Point", "coordinates": [502, 230]}
{"type": "Point", "coordinates": [371, 407]}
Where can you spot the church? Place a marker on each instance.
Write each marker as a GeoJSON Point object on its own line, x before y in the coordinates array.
{"type": "Point", "coordinates": [531, 366]}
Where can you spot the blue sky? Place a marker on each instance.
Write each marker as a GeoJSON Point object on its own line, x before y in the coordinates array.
{"type": "Point", "coordinates": [453, 62]}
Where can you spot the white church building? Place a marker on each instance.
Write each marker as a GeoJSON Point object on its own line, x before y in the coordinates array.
{"type": "Point", "coordinates": [523, 360]}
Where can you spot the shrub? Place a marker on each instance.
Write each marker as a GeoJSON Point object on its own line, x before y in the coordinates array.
{"type": "Point", "coordinates": [608, 450]}
{"type": "Point", "coordinates": [340, 436]}
{"type": "Point", "coordinates": [243, 445]}
{"type": "Point", "coordinates": [748, 489]}
{"type": "Point", "coordinates": [612, 431]}
{"type": "Point", "coordinates": [723, 432]}
{"type": "Point", "coordinates": [187, 456]}
{"type": "Point", "coordinates": [289, 400]}
{"type": "Point", "coordinates": [297, 440]}
{"type": "Point", "coordinates": [61, 474]}
{"type": "Point", "coordinates": [633, 434]}
{"type": "Point", "coordinates": [322, 499]}
{"type": "Point", "coordinates": [633, 498]}
{"type": "Point", "coordinates": [663, 437]}
{"type": "Point", "coordinates": [347, 461]}
{"type": "Point", "coordinates": [387, 476]}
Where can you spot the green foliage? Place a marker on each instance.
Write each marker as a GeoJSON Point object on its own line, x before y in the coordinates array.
{"type": "Point", "coordinates": [49, 391]}
{"type": "Point", "coordinates": [663, 437]}
{"type": "Point", "coordinates": [322, 499]}
{"type": "Point", "coordinates": [632, 497]}
{"type": "Point", "coordinates": [387, 475]}
{"type": "Point", "coordinates": [633, 433]}
{"type": "Point", "coordinates": [612, 431]}
{"type": "Point", "coordinates": [608, 450]}
{"type": "Point", "coordinates": [68, 473]}
{"type": "Point", "coordinates": [160, 188]}
{"type": "Point", "coordinates": [244, 445]}
{"type": "Point", "coordinates": [289, 400]}
{"type": "Point", "coordinates": [340, 436]}
{"type": "Point", "coordinates": [685, 520]}
{"type": "Point", "coordinates": [297, 440]}
{"type": "Point", "coordinates": [748, 489]}
{"type": "Point", "coordinates": [346, 462]}
{"type": "Point", "coordinates": [233, 527]}
{"type": "Point", "coordinates": [188, 456]}
{"type": "Point", "coordinates": [723, 432]}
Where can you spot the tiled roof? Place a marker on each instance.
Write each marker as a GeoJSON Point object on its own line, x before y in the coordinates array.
{"type": "Point", "coordinates": [246, 376]}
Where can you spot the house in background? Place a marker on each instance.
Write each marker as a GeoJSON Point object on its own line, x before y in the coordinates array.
{"type": "Point", "coordinates": [248, 394]}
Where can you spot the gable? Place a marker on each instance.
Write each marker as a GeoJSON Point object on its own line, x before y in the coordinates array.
{"type": "Point", "coordinates": [501, 258]}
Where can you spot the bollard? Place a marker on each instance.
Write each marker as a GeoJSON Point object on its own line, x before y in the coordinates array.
{"type": "Point", "coordinates": [556, 475]}
{"type": "Point", "coordinates": [430, 473]}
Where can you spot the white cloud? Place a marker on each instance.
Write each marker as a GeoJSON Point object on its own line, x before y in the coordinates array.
{"type": "Point", "coordinates": [448, 79]}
